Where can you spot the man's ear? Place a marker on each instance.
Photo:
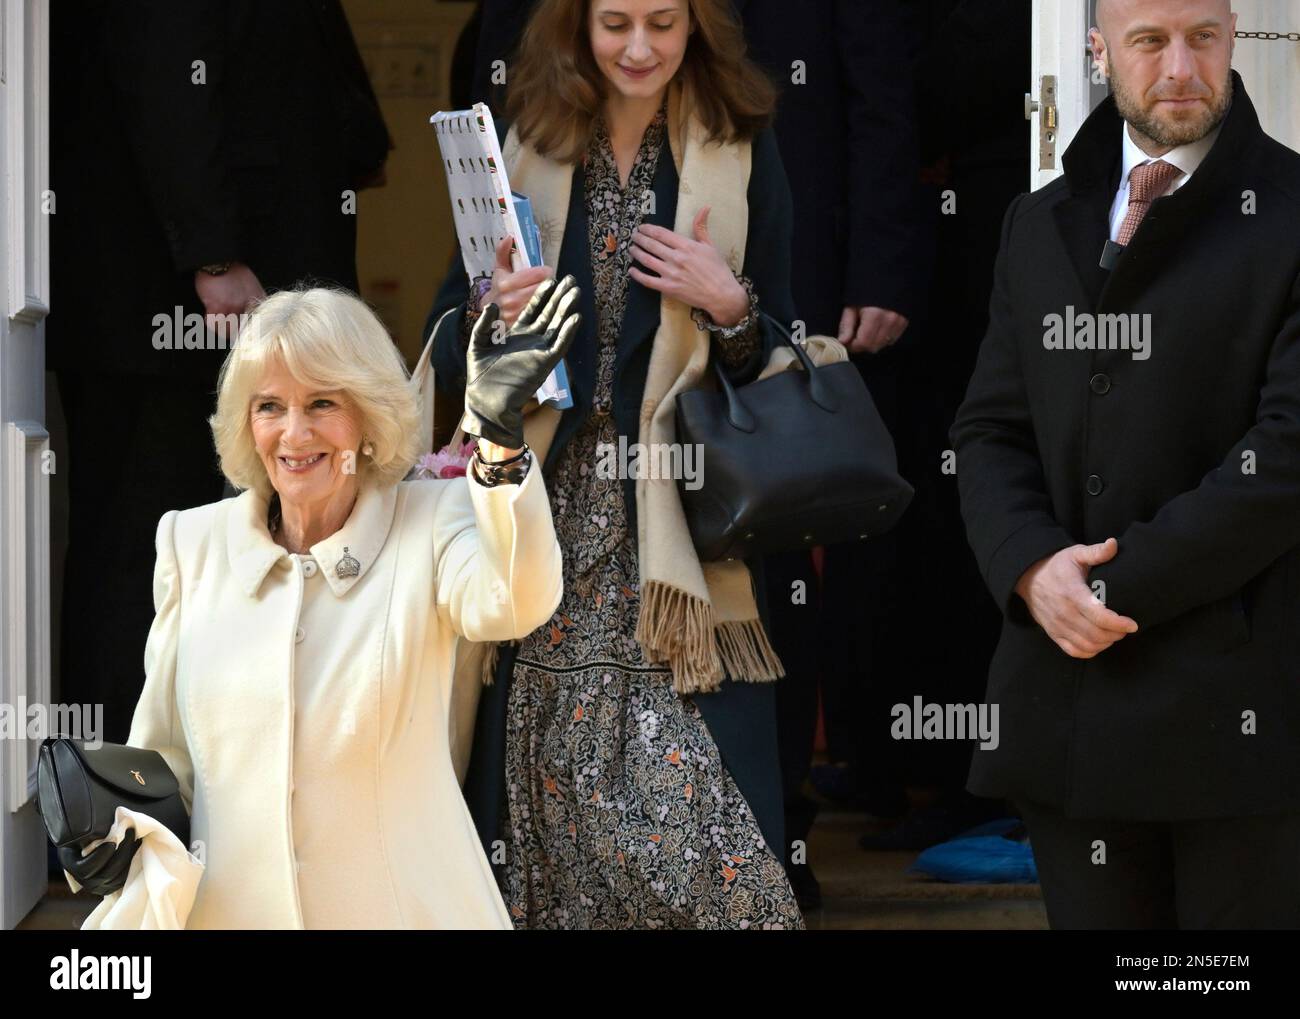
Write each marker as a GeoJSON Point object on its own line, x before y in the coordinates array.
{"type": "Point", "coordinates": [1100, 54]}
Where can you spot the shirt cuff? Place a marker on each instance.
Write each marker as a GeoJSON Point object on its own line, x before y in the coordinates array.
{"type": "Point", "coordinates": [737, 342]}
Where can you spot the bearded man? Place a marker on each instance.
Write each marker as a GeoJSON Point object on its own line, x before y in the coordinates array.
{"type": "Point", "coordinates": [1137, 516]}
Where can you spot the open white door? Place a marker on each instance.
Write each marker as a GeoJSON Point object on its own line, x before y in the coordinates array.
{"type": "Point", "coordinates": [24, 444]}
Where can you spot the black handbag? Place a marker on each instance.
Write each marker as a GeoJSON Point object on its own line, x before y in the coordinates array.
{"type": "Point", "coordinates": [795, 460]}
{"type": "Point", "coordinates": [79, 788]}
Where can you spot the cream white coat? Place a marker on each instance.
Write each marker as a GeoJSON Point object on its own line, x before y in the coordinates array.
{"type": "Point", "coordinates": [312, 718]}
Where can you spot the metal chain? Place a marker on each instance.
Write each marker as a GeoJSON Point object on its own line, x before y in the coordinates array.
{"type": "Point", "coordinates": [1289, 36]}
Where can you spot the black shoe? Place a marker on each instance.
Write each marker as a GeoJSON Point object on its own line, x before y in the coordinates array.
{"type": "Point", "coordinates": [840, 784]}
{"type": "Point", "coordinates": [921, 829]}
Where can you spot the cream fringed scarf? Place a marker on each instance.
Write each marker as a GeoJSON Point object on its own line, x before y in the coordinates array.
{"type": "Point", "coordinates": [699, 618]}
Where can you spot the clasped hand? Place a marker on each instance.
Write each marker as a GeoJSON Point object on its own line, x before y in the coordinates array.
{"type": "Point", "coordinates": [1056, 592]}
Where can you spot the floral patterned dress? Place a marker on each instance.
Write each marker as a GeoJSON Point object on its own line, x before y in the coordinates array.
{"type": "Point", "coordinates": [620, 811]}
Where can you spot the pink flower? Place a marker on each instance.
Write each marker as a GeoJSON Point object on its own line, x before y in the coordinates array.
{"type": "Point", "coordinates": [446, 463]}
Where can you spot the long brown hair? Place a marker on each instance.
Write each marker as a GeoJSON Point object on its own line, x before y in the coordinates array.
{"type": "Point", "coordinates": [556, 89]}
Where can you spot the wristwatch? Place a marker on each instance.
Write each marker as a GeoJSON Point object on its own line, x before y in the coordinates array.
{"type": "Point", "coordinates": [216, 268]}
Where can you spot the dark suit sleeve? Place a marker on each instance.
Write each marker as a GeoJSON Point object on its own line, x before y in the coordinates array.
{"type": "Point", "coordinates": [767, 249]}
{"type": "Point", "coordinates": [1205, 544]}
{"type": "Point", "coordinates": [1004, 499]}
{"type": "Point", "coordinates": [174, 126]}
{"type": "Point", "coordinates": [890, 250]}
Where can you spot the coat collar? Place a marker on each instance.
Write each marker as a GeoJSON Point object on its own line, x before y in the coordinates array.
{"type": "Point", "coordinates": [1092, 158]}
{"type": "Point", "coordinates": [1092, 167]}
{"type": "Point", "coordinates": [252, 551]}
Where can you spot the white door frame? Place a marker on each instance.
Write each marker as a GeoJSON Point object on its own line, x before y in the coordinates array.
{"type": "Point", "coordinates": [25, 461]}
{"type": "Point", "coordinates": [1058, 100]}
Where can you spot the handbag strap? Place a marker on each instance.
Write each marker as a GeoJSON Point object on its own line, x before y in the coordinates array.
{"type": "Point", "coordinates": [738, 415]}
{"type": "Point", "coordinates": [423, 380]}
{"type": "Point", "coordinates": [818, 391]}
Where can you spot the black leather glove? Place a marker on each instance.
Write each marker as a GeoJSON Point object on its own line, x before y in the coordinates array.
{"type": "Point", "coordinates": [104, 870]}
{"type": "Point", "coordinates": [504, 367]}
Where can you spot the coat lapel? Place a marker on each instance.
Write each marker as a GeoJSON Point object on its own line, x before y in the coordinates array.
{"type": "Point", "coordinates": [1083, 222]}
{"type": "Point", "coordinates": [1092, 169]}
{"type": "Point", "coordinates": [575, 261]}
{"type": "Point", "coordinates": [641, 316]}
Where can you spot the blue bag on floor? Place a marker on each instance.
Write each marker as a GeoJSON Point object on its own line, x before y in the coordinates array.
{"type": "Point", "coordinates": [980, 855]}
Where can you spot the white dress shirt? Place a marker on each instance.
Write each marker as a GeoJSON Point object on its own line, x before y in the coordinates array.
{"type": "Point", "coordinates": [1186, 157]}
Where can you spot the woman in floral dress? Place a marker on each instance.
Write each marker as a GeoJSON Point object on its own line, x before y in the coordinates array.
{"type": "Point", "coordinates": [617, 808]}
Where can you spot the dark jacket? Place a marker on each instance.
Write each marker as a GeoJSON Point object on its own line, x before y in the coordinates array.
{"type": "Point", "coordinates": [161, 167]}
{"type": "Point", "coordinates": [741, 715]}
{"type": "Point", "coordinates": [1191, 458]}
{"type": "Point", "coordinates": [848, 133]}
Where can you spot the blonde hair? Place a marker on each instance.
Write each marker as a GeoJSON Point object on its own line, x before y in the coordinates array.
{"type": "Point", "coordinates": [329, 339]}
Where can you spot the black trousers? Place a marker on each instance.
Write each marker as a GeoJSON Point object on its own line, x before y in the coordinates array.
{"type": "Point", "coordinates": [795, 628]}
{"type": "Point", "coordinates": [1239, 873]}
{"type": "Point", "coordinates": [137, 447]}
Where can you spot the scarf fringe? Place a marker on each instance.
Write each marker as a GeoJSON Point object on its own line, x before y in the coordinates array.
{"type": "Point", "coordinates": [676, 627]}
{"type": "Point", "coordinates": [679, 628]}
{"type": "Point", "coordinates": [746, 652]}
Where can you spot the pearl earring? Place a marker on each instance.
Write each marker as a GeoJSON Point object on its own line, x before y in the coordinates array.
{"type": "Point", "coordinates": [368, 449]}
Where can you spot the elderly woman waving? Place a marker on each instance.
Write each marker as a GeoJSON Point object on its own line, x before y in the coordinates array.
{"type": "Point", "coordinates": [299, 668]}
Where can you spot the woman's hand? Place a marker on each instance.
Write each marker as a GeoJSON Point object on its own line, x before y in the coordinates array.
{"type": "Point", "coordinates": [692, 271]}
{"type": "Point", "coordinates": [511, 291]}
{"type": "Point", "coordinates": [504, 367]}
{"type": "Point", "coordinates": [104, 870]}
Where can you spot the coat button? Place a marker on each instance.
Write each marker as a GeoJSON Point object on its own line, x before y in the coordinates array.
{"type": "Point", "coordinates": [1100, 384]}
{"type": "Point", "coordinates": [309, 567]}
{"type": "Point", "coordinates": [300, 633]}
{"type": "Point", "coordinates": [1095, 484]}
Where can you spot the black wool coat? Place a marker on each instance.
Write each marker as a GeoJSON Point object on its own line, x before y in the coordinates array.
{"type": "Point", "coordinates": [1189, 457]}
{"type": "Point", "coordinates": [741, 715]}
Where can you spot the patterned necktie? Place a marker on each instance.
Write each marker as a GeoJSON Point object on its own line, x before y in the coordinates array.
{"type": "Point", "coordinates": [1145, 184]}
